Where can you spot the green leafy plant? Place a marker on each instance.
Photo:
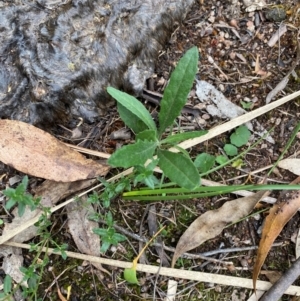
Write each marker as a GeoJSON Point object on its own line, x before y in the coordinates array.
{"type": "Point", "coordinates": [34, 272]}
{"type": "Point", "coordinates": [205, 162]}
{"type": "Point", "coordinates": [238, 138]}
{"type": "Point", "coordinates": [18, 196]}
{"type": "Point", "coordinates": [246, 105]}
{"type": "Point", "coordinates": [7, 289]}
{"type": "Point", "coordinates": [178, 167]}
{"type": "Point", "coordinates": [108, 235]}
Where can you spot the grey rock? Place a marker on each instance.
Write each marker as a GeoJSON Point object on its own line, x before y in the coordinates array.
{"type": "Point", "coordinates": [276, 14]}
{"type": "Point", "coordinates": [58, 56]}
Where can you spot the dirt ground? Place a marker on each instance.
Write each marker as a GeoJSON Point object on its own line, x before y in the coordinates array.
{"type": "Point", "coordinates": [236, 59]}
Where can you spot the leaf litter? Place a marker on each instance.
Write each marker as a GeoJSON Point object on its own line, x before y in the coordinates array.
{"type": "Point", "coordinates": [211, 223]}
{"type": "Point", "coordinates": [249, 77]}
{"type": "Point", "coordinates": [286, 207]}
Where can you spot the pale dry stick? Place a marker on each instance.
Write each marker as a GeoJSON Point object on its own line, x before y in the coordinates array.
{"type": "Point", "coordinates": [175, 273]}
{"type": "Point", "coordinates": [203, 256]}
{"type": "Point", "coordinates": [186, 144]}
{"type": "Point", "coordinates": [172, 289]}
{"type": "Point", "coordinates": [236, 122]}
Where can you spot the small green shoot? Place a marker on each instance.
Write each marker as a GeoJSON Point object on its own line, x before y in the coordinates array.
{"type": "Point", "coordinates": [109, 236]}
{"type": "Point", "coordinates": [144, 174]}
{"type": "Point", "coordinates": [240, 136]}
{"type": "Point", "coordinates": [230, 150]}
{"type": "Point", "coordinates": [19, 197]}
{"type": "Point", "coordinates": [130, 273]}
{"type": "Point", "coordinates": [7, 288]}
{"type": "Point", "coordinates": [204, 162]}
{"type": "Point", "coordinates": [246, 105]}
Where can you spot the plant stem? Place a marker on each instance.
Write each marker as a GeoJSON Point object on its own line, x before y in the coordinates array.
{"type": "Point", "coordinates": [160, 194]}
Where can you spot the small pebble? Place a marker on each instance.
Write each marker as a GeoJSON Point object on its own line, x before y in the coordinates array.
{"type": "Point", "coordinates": [221, 88]}
{"type": "Point", "coordinates": [276, 14]}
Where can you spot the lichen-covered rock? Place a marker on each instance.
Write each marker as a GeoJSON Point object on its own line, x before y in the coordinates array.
{"type": "Point", "coordinates": [276, 14]}
{"type": "Point", "coordinates": [58, 56]}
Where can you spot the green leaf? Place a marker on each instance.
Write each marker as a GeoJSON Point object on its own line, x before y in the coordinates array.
{"type": "Point", "coordinates": [133, 105]}
{"type": "Point", "coordinates": [230, 150]}
{"type": "Point", "coordinates": [182, 150]}
{"type": "Point", "coordinates": [173, 139]}
{"type": "Point", "coordinates": [11, 202]}
{"type": "Point", "coordinates": [9, 192]}
{"type": "Point", "coordinates": [133, 154]}
{"type": "Point", "coordinates": [151, 181]}
{"type": "Point", "coordinates": [204, 162]}
{"type": "Point", "coordinates": [152, 164]}
{"type": "Point", "coordinates": [21, 209]}
{"type": "Point", "coordinates": [100, 231]}
{"type": "Point", "coordinates": [237, 163]}
{"type": "Point", "coordinates": [104, 246]}
{"type": "Point", "coordinates": [177, 91]}
{"type": "Point", "coordinates": [109, 219]}
{"type": "Point", "coordinates": [221, 159]}
{"type": "Point", "coordinates": [119, 237]}
{"type": "Point", "coordinates": [149, 135]}
{"type": "Point", "coordinates": [7, 284]}
{"type": "Point", "coordinates": [246, 105]}
{"type": "Point", "coordinates": [179, 169]}
{"type": "Point", "coordinates": [131, 120]}
{"type": "Point", "coordinates": [130, 276]}
{"type": "Point", "coordinates": [240, 136]}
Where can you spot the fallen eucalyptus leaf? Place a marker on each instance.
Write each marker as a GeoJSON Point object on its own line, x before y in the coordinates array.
{"type": "Point", "coordinates": [211, 223]}
{"type": "Point", "coordinates": [35, 152]}
{"type": "Point", "coordinates": [280, 214]}
{"type": "Point", "coordinates": [81, 229]}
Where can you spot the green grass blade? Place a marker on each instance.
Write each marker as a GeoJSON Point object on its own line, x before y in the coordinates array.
{"type": "Point", "coordinates": [177, 91]}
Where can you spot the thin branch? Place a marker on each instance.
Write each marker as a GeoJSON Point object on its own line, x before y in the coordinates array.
{"type": "Point", "coordinates": [278, 289]}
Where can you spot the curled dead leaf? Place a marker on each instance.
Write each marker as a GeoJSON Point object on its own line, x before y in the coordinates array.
{"type": "Point", "coordinates": [211, 223]}
{"type": "Point", "coordinates": [280, 214]}
{"type": "Point", "coordinates": [35, 152]}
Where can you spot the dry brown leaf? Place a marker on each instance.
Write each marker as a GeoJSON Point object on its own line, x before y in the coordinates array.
{"type": "Point", "coordinates": [81, 229]}
{"type": "Point", "coordinates": [211, 223]}
{"type": "Point", "coordinates": [12, 262]}
{"type": "Point", "coordinates": [273, 276]}
{"type": "Point", "coordinates": [293, 165]}
{"type": "Point", "coordinates": [35, 152]}
{"type": "Point", "coordinates": [280, 214]}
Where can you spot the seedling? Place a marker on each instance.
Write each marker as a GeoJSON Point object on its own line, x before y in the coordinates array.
{"type": "Point", "coordinates": [19, 197]}
{"type": "Point", "coordinates": [130, 273]}
{"type": "Point", "coordinates": [178, 167]}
